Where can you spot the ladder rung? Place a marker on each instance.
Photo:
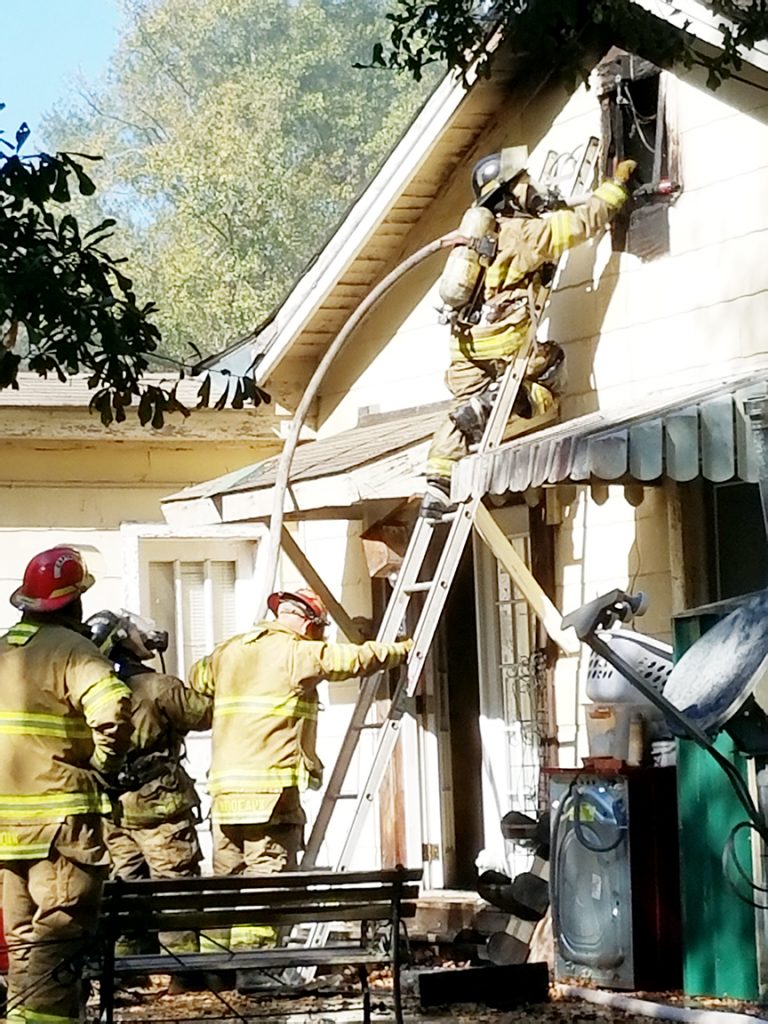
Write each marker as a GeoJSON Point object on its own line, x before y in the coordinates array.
{"type": "Point", "coordinates": [420, 587]}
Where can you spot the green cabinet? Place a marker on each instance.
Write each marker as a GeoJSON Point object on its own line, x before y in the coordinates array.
{"type": "Point", "coordinates": [719, 943]}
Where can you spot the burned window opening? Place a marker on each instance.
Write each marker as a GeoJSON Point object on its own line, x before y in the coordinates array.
{"type": "Point", "coordinates": [635, 126]}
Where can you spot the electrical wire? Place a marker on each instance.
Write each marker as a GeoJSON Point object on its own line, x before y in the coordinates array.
{"type": "Point", "coordinates": [72, 962]}
{"type": "Point", "coordinates": [578, 827]}
{"type": "Point", "coordinates": [224, 1002]}
{"type": "Point", "coordinates": [730, 857]}
{"type": "Point", "coordinates": [628, 102]}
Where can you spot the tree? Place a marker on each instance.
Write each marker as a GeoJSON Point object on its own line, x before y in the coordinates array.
{"type": "Point", "coordinates": [65, 306]}
{"type": "Point", "coordinates": [234, 134]}
{"type": "Point", "coordinates": [564, 34]}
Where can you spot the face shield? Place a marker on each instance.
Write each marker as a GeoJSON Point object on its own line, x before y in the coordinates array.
{"type": "Point", "coordinates": [527, 196]}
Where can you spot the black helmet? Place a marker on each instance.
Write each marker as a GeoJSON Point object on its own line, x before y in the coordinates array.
{"type": "Point", "coordinates": [494, 172]}
{"type": "Point", "coordinates": [101, 629]}
{"type": "Point", "coordinates": [127, 631]}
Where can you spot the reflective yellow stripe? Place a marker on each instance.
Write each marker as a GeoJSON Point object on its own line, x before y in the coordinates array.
{"type": "Point", "coordinates": [34, 723]}
{"type": "Point", "coordinates": [12, 848]}
{"type": "Point", "coordinates": [17, 809]}
{"type": "Point", "coordinates": [140, 739]}
{"type": "Point", "coordinates": [438, 465]}
{"type": "Point", "coordinates": [100, 757]}
{"type": "Point", "coordinates": [19, 634]}
{"type": "Point", "coordinates": [612, 194]}
{"type": "Point", "coordinates": [204, 676]}
{"type": "Point", "coordinates": [182, 942]}
{"type": "Point", "coordinates": [103, 693]}
{"type": "Point", "coordinates": [214, 941]}
{"type": "Point", "coordinates": [266, 780]}
{"type": "Point", "coordinates": [489, 343]}
{"type": "Point", "coordinates": [344, 661]}
{"type": "Point", "coordinates": [493, 276]}
{"type": "Point", "coordinates": [563, 225]}
{"type": "Point", "coordinates": [252, 936]}
{"type": "Point", "coordinates": [274, 705]}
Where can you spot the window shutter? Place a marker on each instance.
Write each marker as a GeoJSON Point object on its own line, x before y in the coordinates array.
{"type": "Point", "coordinates": [191, 582]}
{"type": "Point", "coordinates": [222, 576]}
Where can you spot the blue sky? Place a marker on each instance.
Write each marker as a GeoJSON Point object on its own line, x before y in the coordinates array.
{"type": "Point", "coordinates": [45, 44]}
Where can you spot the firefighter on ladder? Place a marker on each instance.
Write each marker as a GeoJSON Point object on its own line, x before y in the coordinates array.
{"type": "Point", "coordinates": [490, 311]}
{"type": "Point", "coordinates": [64, 722]}
{"type": "Point", "coordinates": [265, 704]}
{"type": "Point", "coordinates": [153, 833]}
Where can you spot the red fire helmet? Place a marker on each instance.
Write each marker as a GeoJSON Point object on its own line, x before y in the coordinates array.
{"type": "Point", "coordinates": [305, 598]}
{"type": "Point", "coordinates": [52, 580]}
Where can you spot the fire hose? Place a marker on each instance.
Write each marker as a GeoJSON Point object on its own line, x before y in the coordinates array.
{"type": "Point", "coordinates": [289, 447]}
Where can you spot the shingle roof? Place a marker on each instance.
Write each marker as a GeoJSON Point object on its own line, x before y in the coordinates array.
{"type": "Point", "coordinates": [329, 456]}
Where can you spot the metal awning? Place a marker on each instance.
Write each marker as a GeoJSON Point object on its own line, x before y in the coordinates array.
{"type": "Point", "coordinates": [697, 431]}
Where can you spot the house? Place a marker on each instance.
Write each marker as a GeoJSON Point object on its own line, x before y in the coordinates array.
{"type": "Point", "coordinates": [647, 481]}
{"type": "Point", "coordinates": [66, 478]}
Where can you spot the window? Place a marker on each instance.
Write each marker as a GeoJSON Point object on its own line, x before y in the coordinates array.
{"type": "Point", "coordinates": [636, 125]}
{"type": "Point", "coordinates": [738, 556]}
{"type": "Point", "coordinates": [196, 599]}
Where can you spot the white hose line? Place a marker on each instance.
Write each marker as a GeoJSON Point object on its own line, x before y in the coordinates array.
{"type": "Point", "coordinates": [285, 462]}
{"type": "Point", "coordinates": [645, 1008]}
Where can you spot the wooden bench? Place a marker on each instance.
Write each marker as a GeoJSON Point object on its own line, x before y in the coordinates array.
{"type": "Point", "coordinates": [205, 905]}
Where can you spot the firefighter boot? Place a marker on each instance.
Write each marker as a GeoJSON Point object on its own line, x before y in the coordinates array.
{"type": "Point", "coordinates": [470, 419]}
{"type": "Point", "coordinates": [436, 503]}
{"type": "Point", "coordinates": [547, 366]}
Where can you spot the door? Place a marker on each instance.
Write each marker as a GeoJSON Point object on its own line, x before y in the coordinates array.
{"type": "Point", "coordinates": [513, 695]}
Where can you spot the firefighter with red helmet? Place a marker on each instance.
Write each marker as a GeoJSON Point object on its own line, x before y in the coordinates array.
{"type": "Point", "coordinates": [65, 727]}
{"type": "Point", "coordinates": [488, 288]}
{"type": "Point", "coordinates": [265, 704]}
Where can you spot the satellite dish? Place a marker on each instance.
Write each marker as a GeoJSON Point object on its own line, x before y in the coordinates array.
{"type": "Point", "coordinates": [717, 674]}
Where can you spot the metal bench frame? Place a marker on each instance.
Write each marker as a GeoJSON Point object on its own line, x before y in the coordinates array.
{"type": "Point", "coordinates": [281, 900]}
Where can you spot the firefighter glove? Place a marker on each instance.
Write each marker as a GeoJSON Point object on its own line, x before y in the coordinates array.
{"type": "Point", "coordinates": [624, 171]}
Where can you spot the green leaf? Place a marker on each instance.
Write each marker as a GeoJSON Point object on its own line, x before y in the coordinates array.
{"type": "Point", "coordinates": [145, 408]}
{"type": "Point", "coordinates": [204, 393]}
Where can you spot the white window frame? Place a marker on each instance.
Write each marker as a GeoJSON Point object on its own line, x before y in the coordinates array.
{"type": "Point", "coordinates": [133, 535]}
{"type": "Point", "coordinates": [136, 559]}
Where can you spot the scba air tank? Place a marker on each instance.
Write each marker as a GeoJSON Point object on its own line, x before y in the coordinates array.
{"type": "Point", "coordinates": [463, 266]}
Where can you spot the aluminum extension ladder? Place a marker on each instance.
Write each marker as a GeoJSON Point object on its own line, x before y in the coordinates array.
{"type": "Point", "coordinates": [436, 592]}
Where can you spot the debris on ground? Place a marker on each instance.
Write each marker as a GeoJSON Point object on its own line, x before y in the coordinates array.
{"type": "Point", "coordinates": [335, 999]}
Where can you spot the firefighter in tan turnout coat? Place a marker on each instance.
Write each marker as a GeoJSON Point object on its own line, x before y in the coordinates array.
{"type": "Point", "coordinates": [264, 688]}
{"type": "Point", "coordinates": [153, 830]}
{"type": "Point", "coordinates": [491, 309]}
{"type": "Point", "coordinates": [65, 727]}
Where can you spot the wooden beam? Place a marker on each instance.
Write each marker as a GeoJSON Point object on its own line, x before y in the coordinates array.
{"type": "Point", "coordinates": [550, 617]}
{"type": "Point", "coordinates": [352, 632]}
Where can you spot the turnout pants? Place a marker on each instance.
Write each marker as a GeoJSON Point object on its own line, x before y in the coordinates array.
{"type": "Point", "coordinates": [464, 378]}
{"type": "Point", "coordinates": [258, 849]}
{"type": "Point", "coordinates": [168, 850]}
{"type": "Point", "coordinates": [50, 912]}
